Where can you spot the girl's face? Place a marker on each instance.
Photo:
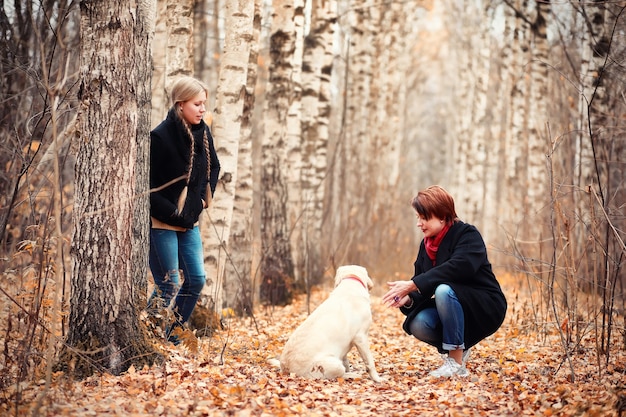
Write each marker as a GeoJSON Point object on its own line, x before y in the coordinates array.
{"type": "Point", "coordinates": [430, 227]}
{"type": "Point", "coordinates": [193, 110]}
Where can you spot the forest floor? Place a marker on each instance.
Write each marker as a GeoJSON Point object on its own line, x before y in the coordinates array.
{"type": "Point", "coordinates": [515, 372]}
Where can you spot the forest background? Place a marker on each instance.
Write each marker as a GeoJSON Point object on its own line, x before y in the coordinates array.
{"type": "Point", "coordinates": [328, 117]}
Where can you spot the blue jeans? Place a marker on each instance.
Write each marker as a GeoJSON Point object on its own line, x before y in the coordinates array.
{"type": "Point", "coordinates": [171, 251]}
{"type": "Point", "coordinates": [444, 325]}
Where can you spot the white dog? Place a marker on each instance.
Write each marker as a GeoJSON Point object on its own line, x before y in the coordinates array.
{"type": "Point", "coordinates": [318, 348]}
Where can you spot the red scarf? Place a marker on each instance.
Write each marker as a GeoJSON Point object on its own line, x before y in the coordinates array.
{"type": "Point", "coordinates": [432, 243]}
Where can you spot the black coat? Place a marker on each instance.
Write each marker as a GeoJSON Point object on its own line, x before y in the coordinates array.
{"type": "Point", "coordinates": [462, 264]}
{"type": "Point", "coordinates": [170, 153]}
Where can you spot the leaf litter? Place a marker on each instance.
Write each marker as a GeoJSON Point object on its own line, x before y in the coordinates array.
{"type": "Point", "coordinates": [515, 372]}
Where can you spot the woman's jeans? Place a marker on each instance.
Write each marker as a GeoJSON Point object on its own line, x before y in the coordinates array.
{"type": "Point", "coordinates": [171, 251]}
{"type": "Point", "coordinates": [444, 325]}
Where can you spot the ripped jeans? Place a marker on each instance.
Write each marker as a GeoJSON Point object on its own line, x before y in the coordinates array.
{"type": "Point", "coordinates": [444, 325]}
{"type": "Point", "coordinates": [171, 251]}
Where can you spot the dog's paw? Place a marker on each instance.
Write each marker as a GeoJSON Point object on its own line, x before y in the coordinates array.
{"type": "Point", "coordinates": [376, 378]}
{"type": "Point", "coordinates": [273, 362]}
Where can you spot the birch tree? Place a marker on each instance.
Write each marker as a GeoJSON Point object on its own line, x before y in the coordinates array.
{"type": "Point", "coordinates": [230, 95]}
{"type": "Point", "coordinates": [471, 148]}
{"type": "Point", "coordinates": [515, 147]}
{"type": "Point", "coordinates": [537, 200]}
{"type": "Point", "coordinates": [179, 40]}
{"type": "Point", "coordinates": [348, 182]}
{"type": "Point", "coordinates": [279, 171]}
{"type": "Point", "coordinates": [173, 53]}
{"type": "Point", "coordinates": [207, 47]}
{"type": "Point", "coordinates": [294, 12]}
{"type": "Point", "coordinates": [110, 207]}
{"type": "Point", "coordinates": [239, 284]}
{"type": "Point", "coordinates": [316, 107]}
{"type": "Point", "coordinates": [596, 27]}
{"type": "Point", "coordinates": [496, 91]}
{"type": "Point", "coordinates": [391, 65]}
{"type": "Point", "coordinates": [160, 98]}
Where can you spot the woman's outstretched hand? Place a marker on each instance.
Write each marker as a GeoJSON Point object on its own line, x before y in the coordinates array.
{"type": "Point", "coordinates": [398, 294]}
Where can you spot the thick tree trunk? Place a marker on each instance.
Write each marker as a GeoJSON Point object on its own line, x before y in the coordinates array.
{"type": "Point", "coordinates": [109, 248]}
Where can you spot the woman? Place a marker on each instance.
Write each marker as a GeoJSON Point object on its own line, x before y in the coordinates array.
{"type": "Point", "coordinates": [184, 170]}
{"type": "Point", "coordinates": [453, 300]}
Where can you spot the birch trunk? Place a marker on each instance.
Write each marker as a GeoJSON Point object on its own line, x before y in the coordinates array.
{"type": "Point", "coordinates": [160, 99]}
{"type": "Point", "coordinates": [241, 295]}
{"type": "Point", "coordinates": [218, 226]}
{"type": "Point", "coordinates": [593, 104]}
{"type": "Point", "coordinates": [277, 268]}
{"type": "Point", "coordinates": [537, 196]}
{"type": "Point", "coordinates": [207, 47]}
{"type": "Point", "coordinates": [496, 91]}
{"type": "Point", "coordinates": [348, 205]}
{"type": "Point", "coordinates": [472, 149]}
{"type": "Point", "coordinates": [390, 68]}
{"type": "Point", "coordinates": [462, 116]}
{"type": "Point", "coordinates": [294, 152]}
{"type": "Point", "coordinates": [179, 40]}
{"type": "Point", "coordinates": [109, 248]}
{"type": "Point", "coordinates": [173, 52]}
{"type": "Point", "coordinates": [316, 104]}
{"type": "Point", "coordinates": [515, 142]}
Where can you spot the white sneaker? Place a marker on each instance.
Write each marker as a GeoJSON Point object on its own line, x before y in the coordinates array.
{"type": "Point", "coordinates": [450, 368]}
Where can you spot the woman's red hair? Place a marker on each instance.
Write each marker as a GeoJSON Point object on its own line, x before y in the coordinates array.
{"type": "Point", "coordinates": [435, 201]}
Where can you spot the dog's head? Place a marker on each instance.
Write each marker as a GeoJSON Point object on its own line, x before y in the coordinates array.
{"type": "Point", "coordinates": [355, 271]}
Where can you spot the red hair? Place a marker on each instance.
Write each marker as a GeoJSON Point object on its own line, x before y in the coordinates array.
{"type": "Point", "coordinates": [435, 201]}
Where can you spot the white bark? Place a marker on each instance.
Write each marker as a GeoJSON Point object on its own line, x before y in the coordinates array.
{"type": "Point", "coordinates": [515, 142]}
{"type": "Point", "coordinates": [537, 200]}
{"type": "Point", "coordinates": [179, 40]}
{"type": "Point", "coordinates": [316, 104]}
{"type": "Point", "coordinates": [216, 227]}
{"type": "Point", "coordinates": [278, 173]}
{"type": "Point", "coordinates": [294, 11]}
{"type": "Point", "coordinates": [238, 271]}
{"type": "Point", "coordinates": [207, 46]}
{"type": "Point", "coordinates": [348, 202]}
{"type": "Point", "coordinates": [160, 99]}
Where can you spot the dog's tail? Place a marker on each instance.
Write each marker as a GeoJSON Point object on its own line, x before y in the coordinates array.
{"type": "Point", "coordinates": [273, 362]}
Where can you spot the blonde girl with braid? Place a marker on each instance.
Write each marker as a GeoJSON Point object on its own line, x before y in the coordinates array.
{"type": "Point", "coordinates": [184, 170]}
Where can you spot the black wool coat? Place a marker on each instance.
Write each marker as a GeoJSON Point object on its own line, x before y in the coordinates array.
{"type": "Point", "coordinates": [170, 154]}
{"type": "Point", "coordinates": [461, 263]}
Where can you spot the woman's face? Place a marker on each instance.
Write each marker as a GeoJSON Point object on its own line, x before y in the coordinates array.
{"type": "Point", "coordinates": [430, 227]}
{"type": "Point", "coordinates": [193, 110]}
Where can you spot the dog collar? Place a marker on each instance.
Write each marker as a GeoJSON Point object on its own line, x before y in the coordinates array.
{"type": "Point", "coordinates": [352, 277]}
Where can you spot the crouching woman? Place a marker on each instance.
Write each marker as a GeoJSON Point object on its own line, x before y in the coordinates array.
{"type": "Point", "coordinates": [453, 300]}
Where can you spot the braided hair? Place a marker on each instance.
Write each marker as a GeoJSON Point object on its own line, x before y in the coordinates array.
{"type": "Point", "coordinates": [185, 89]}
